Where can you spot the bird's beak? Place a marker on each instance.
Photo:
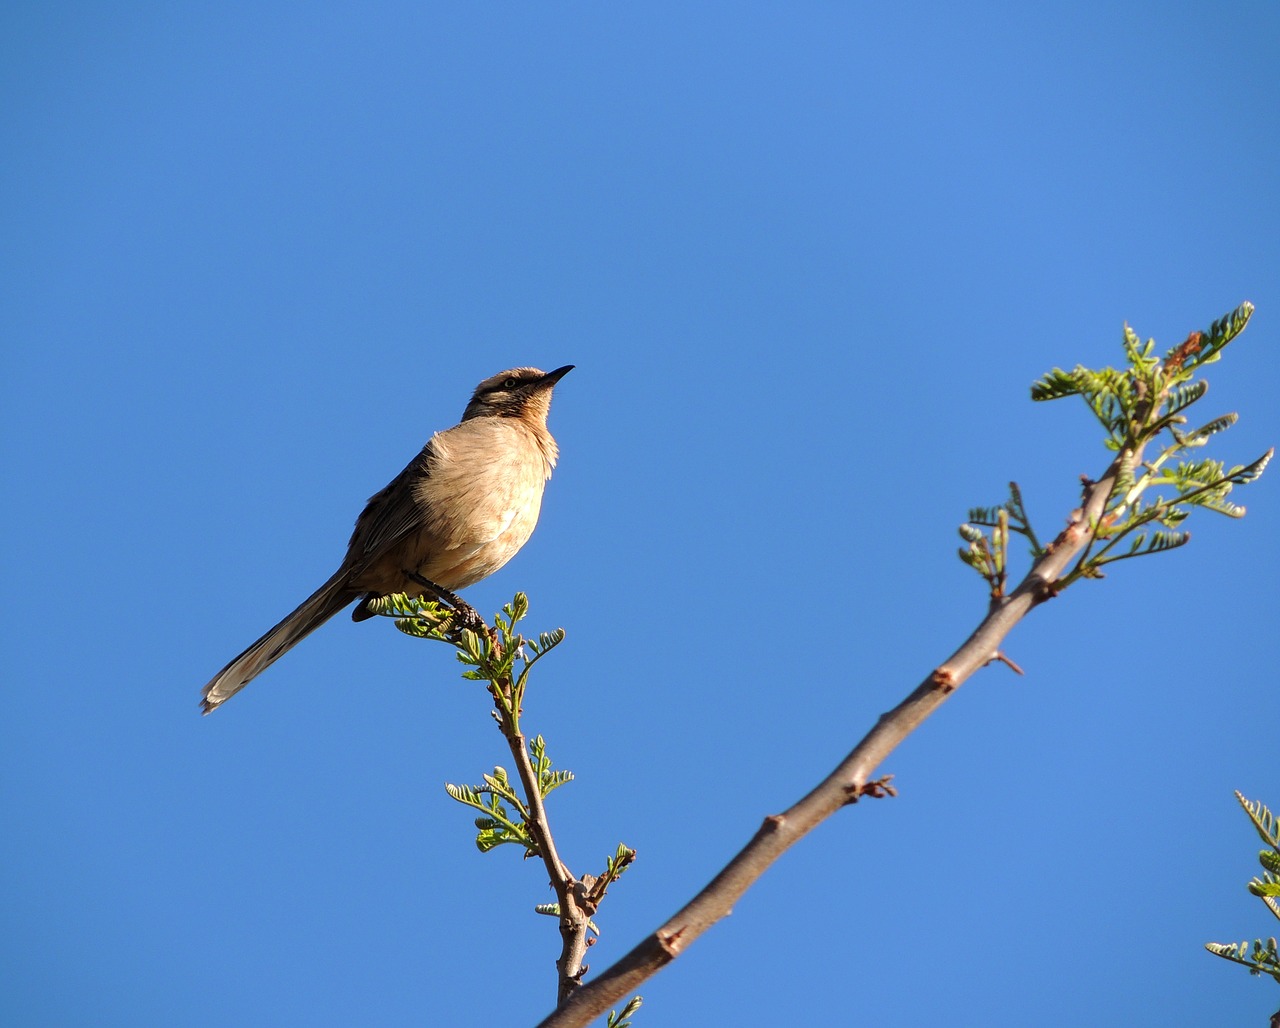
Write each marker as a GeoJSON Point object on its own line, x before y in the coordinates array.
{"type": "Point", "coordinates": [552, 377]}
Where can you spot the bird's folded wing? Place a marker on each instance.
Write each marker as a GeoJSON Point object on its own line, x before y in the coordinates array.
{"type": "Point", "coordinates": [391, 513]}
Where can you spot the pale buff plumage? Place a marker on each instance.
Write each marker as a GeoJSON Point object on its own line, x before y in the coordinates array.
{"type": "Point", "coordinates": [462, 508]}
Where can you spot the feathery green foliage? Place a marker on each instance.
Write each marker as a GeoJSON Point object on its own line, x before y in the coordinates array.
{"type": "Point", "coordinates": [1140, 406]}
{"type": "Point", "coordinates": [503, 658]}
{"type": "Point", "coordinates": [496, 825]}
{"type": "Point", "coordinates": [622, 1018]}
{"type": "Point", "coordinates": [989, 556]}
{"type": "Point", "coordinates": [1262, 957]}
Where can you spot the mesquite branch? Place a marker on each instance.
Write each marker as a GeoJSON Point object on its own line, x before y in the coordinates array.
{"type": "Point", "coordinates": [850, 780]}
{"type": "Point", "coordinates": [574, 919]}
{"type": "Point", "coordinates": [500, 657]}
{"type": "Point", "coordinates": [1135, 406]}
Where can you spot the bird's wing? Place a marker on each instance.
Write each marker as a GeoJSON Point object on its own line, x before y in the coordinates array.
{"type": "Point", "coordinates": [391, 513]}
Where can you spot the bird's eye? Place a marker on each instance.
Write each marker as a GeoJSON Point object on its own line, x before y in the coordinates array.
{"type": "Point", "coordinates": [511, 383]}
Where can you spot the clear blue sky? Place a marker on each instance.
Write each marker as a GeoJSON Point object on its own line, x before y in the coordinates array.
{"type": "Point", "coordinates": [807, 258]}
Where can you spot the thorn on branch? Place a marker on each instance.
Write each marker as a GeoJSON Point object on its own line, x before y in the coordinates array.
{"type": "Point", "coordinates": [998, 656]}
{"type": "Point", "coordinates": [877, 789]}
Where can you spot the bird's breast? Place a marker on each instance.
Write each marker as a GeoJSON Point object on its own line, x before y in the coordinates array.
{"type": "Point", "coordinates": [480, 501]}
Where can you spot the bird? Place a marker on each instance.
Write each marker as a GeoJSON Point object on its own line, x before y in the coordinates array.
{"type": "Point", "coordinates": [460, 510]}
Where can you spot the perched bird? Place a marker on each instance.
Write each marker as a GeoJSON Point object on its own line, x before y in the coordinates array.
{"type": "Point", "coordinates": [457, 513]}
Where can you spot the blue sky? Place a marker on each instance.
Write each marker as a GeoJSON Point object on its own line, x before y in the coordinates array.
{"type": "Point", "coordinates": [807, 259]}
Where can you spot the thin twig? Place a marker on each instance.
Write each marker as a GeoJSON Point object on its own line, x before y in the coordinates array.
{"type": "Point", "coordinates": [574, 920]}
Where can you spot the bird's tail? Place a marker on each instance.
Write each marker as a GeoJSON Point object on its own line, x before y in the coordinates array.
{"type": "Point", "coordinates": [314, 611]}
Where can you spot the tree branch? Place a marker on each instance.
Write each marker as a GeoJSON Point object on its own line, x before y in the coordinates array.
{"type": "Point", "coordinates": [851, 779]}
{"type": "Point", "coordinates": [492, 653]}
{"type": "Point", "coordinates": [574, 920]}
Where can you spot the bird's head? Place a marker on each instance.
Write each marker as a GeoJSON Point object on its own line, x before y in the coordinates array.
{"type": "Point", "coordinates": [515, 393]}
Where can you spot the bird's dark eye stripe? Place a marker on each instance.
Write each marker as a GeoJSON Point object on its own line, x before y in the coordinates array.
{"type": "Point", "coordinates": [505, 385]}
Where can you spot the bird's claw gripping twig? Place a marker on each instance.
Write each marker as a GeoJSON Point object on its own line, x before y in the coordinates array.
{"type": "Point", "coordinates": [465, 616]}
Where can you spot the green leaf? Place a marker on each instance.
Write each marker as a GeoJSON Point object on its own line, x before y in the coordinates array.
{"type": "Point", "coordinates": [1264, 822]}
{"type": "Point", "coordinates": [976, 557]}
{"type": "Point", "coordinates": [1251, 472]}
{"type": "Point", "coordinates": [1138, 355]}
{"type": "Point", "coordinates": [1261, 958]}
{"type": "Point", "coordinates": [1201, 435]}
{"type": "Point", "coordinates": [1230, 510]}
{"type": "Point", "coordinates": [622, 859]}
{"type": "Point", "coordinates": [517, 609]}
{"type": "Point", "coordinates": [1058, 383]}
{"type": "Point", "coordinates": [1222, 332]}
{"type": "Point", "coordinates": [554, 780]}
{"type": "Point", "coordinates": [1161, 541]}
{"type": "Point", "coordinates": [1183, 396]}
{"type": "Point", "coordinates": [1142, 546]}
{"type": "Point", "coordinates": [1267, 885]}
{"type": "Point", "coordinates": [546, 640]}
{"type": "Point", "coordinates": [463, 794]}
{"type": "Point", "coordinates": [621, 1018]}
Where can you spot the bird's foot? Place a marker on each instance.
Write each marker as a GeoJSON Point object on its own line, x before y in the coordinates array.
{"type": "Point", "coordinates": [465, 616]}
